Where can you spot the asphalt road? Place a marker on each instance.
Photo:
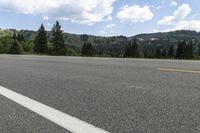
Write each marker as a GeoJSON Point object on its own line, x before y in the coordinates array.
{"type": "Point", "coordinates": [117, 95]}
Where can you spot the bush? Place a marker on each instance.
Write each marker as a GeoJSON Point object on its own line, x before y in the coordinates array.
{"type": "Point", "coordinates": [28, 46]}
{"type": "Point", "coordinates": [16, 48]}
{"type": "Point", "coordinates": [50, 48]}
{"type": "Point", "coordinates": [71, 52]}
{"type": "Point", "coordinates": [6, 42]}
{"type": "Point", "coordinates": [87, 49]}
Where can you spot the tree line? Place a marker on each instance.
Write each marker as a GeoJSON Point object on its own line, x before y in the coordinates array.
{"type": "Point", "coordinates": [55, 45]}
{"type": "Point", "coordinates": [183, 51]}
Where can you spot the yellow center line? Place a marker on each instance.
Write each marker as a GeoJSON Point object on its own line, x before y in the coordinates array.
{"type": "Point", "coordinates": [178, 70]}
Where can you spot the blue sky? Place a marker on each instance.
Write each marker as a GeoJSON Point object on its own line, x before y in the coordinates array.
{"type": "Point", "coordinates": [102, 17]}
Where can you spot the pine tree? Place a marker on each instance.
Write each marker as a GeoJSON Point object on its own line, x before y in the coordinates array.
{"type": "Point", "coordinates": [41, 41]}
{"type": "Point", "coordinates": [164, 54]}
{"type": "Point", "coordinates": [87, 49]}
{"type": "Point", "coordinates": [189, 50]}
{"type": "Point", "coordinates": [158, 53]}
{"type": "Point", "coordinates": [128, 51]}
{"type": "Point", "coordinates": [185, 51]}
{"type": "Point", "coordinates": [181, 50]}
{"type": "Point", "coordinates": [171, 52]}
{"type": "Point", "coordinates": [59, 47]}
{"type": "Point", "coordinates": [199, 49]}
{"type": "Point", "coordinates": [1, 48]}
{"type": "Point", "coordinates": [135, 51]}
{"type": "Point", "coordinates": [146, 53]}
{"type": "Point", "coordinates": [131, 49]}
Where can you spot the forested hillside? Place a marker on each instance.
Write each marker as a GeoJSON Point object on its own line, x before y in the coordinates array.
{"type": "Point", "coordinates": [155, 45]}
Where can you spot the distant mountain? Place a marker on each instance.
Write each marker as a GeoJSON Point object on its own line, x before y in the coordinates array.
{"type": "Point", "coordinates": [166, 39]}
{"type": "Point", "coordinates": [114, 46]}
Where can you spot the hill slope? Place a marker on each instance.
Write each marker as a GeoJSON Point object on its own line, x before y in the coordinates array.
{"type": "Point", "coordinates": [114, 46]}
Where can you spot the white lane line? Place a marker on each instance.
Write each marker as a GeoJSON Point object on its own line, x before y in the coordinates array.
{"type": "Point", "coordinates": [64, 120]}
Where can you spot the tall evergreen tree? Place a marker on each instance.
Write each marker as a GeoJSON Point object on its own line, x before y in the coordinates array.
{"type": "Point", "coordinates": [158, 53]}
{"type": "Point", "coordinates": [41, 41]}
{"type": "Point", "coordinates": [146, 54]}
{"type": "Point", "coordinates": [59, 47]}
{"type": "Point", "coordinates": [135, 50]}
{"type": "Point", "coordinates": [171, 52]}
{"type": "Point", "coordinates": [128, 51]}
{"type": "Point", "coordinates": [181, 50]}
{"type": "Point", "coordinates": [185, 53]}
{"type": "Point", "coordinates": [189, 49]}
{"type": "Point", "coordinates": [131, 49]}
{"type": "Point", "coordinates": [199, 49]}
{"type": "Point", "coordinates": [1, 48]}
{"type": "Point", "coordinates": [164, 54]}
{"type": "Point", "coordinates": [87, 49]}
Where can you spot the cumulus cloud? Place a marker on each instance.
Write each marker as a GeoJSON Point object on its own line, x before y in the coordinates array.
{"type": "Point", "coordinates": [135, 14]}
{"type": "Point", "coordinates": [178, 15]}
{"type": "Point", "coordinates": [184, 25]}
{"type": "Point", "coordinates": [188, 25]}
{"type": "Point", "coordinates": [178, 22]}
{"type": "Point", "coordinates": [79, 11]}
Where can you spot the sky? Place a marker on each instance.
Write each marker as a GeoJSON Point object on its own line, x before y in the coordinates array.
{"type": "Point", "coordinates": [102, 17]}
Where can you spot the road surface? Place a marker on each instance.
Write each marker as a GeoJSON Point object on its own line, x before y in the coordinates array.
{"type": "Point", "coordinates": [116, 95]}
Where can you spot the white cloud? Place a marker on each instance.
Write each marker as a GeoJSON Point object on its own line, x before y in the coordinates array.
{"type": "Point", "coordinates": [135, 14]}
{"type": "Point", "coordinates": [168, 20]}
{"type": "Point", "coordinates": [178, 15]}
{"type": "Point", "coordinates": [184, 25]}
{"type": "Point", "coordinates": [102, 32]}
{"type": "Point", "coordinates": [155, 31]}
{"type": "Point", "coordinates": [174, 3]}
{"type": "Point", "coordinates": [178, 22]}
{"type": "Point", "coordinates": [46, 18]}
{"type": "Point", "coordinates": [109, 18]}
{"type": "Point", "coordinates": [110, 26]}
{"type": "Point", "coordinates": [79, 11]}
{"type": "Point", "coordinates": [188, 25]}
